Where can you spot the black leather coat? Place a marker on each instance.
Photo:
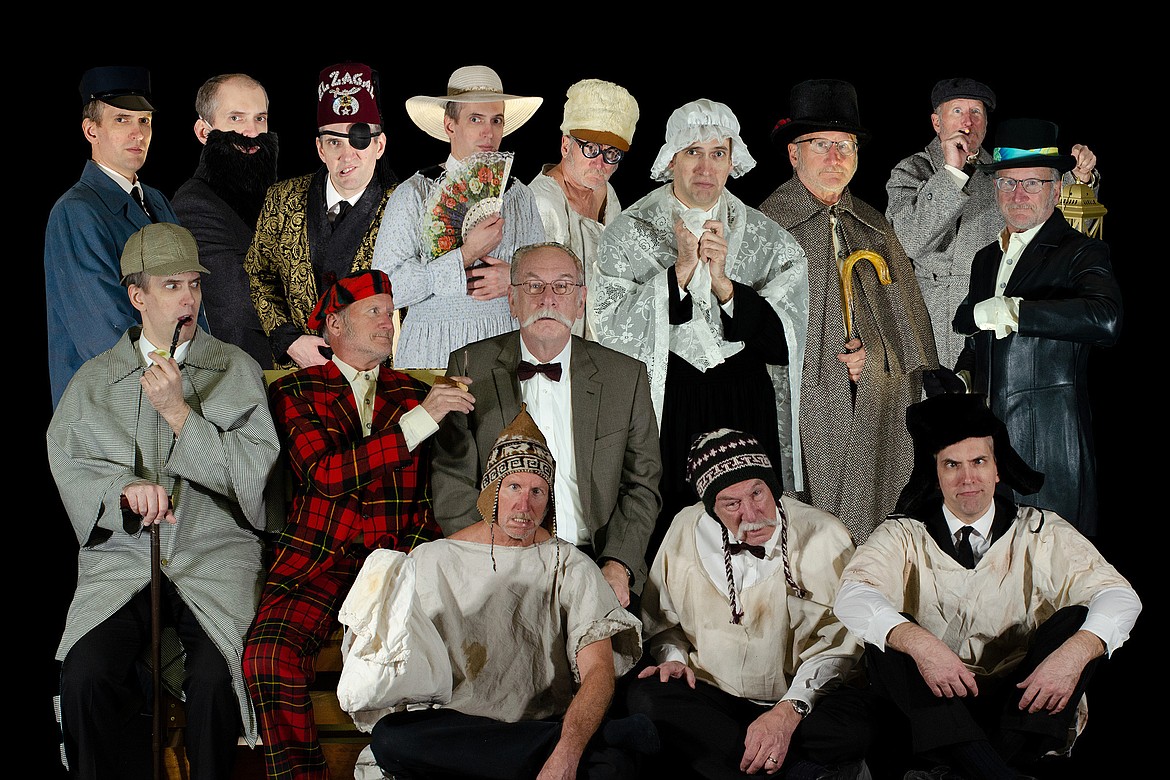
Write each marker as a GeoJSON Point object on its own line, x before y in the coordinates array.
{"type": "Point", "coordinates": [1037, 379]}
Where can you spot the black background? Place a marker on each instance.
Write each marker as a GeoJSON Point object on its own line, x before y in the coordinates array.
{"type": "Point", "coordinates": [1048, 78]}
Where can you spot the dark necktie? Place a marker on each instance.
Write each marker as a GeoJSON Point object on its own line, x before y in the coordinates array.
{"type": "Point", "coordinates": [963, 552]}
{"type": "Point", "coordinates": [137, 195]}
{"type": "Point", "coordinates": [336, 217]}
{"type": "Point", "coordinates": [526, 370]}
{"type": "Point", "coordinates": [754, 549]}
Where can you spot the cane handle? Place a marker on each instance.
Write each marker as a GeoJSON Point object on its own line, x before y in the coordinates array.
{"type": "Point", "coordinates": [883, 274]}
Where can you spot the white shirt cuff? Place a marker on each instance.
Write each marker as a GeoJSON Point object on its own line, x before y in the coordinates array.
{"type": "Point", "coordinates": [417, 425]}
{"type": "Point", "coordinates": [1000, 314]}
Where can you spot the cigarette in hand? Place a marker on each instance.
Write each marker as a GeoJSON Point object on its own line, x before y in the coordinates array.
{"type": "Point", "coordinates": [446, 380]}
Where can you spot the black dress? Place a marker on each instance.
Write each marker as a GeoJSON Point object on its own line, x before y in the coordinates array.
{"type": "Point", "coordinates": [737, 394]}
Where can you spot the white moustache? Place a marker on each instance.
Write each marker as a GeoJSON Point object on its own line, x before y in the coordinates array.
{"type": "Point", "coordinates": [547, 314]}
{"type": "Point", "coordinates": [747, 528]}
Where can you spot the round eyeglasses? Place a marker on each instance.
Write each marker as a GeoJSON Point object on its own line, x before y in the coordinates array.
{"type": "Point", "coordinates": [611, 154]}
{"type": "Point", "coordinates": [1031, 186]}
{"type": "Point", "coordinates": [560, 286]}
{"type": "Point", "coordinates": [845, 148]}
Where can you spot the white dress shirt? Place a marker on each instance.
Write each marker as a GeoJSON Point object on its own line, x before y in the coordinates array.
{"type": "Point", "coordinates": [1001, 313]}
{"type": "Point", "coordinates": [416, 424]}
{"type": "Point", "coordinates": [551, 406]}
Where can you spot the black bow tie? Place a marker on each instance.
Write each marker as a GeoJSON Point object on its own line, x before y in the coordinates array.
{"type": "Point", "coordinates": [526, 370]}
{"type": "Point", "coordinates": [755, 549]}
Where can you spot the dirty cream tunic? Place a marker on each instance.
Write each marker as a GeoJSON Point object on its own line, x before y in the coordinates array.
{"type": "Point", "coordinates": [987, 614]}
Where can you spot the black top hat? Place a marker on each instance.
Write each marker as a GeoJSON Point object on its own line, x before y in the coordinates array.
{"type": "Point", "coordinates": [949, 418]}
{"type": "Point", "coordinates": [820, 104]}
{"type": "Point", "coordinates": [125, 87]}
{"type": "Point", "coordinates": [1027, 143]}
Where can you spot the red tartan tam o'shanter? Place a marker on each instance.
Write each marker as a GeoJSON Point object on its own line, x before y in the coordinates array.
{"type": "Point", "coordinates": [348, 289]}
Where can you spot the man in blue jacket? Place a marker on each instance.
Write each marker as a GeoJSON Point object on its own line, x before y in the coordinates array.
{"type": "Point", "coordinates": [87, 307]}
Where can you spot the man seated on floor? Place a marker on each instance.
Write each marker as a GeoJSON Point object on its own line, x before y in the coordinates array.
{"type": "Point", "coordinates": [754, 692]}
{"type": "Point", "coordinates": [983, 620]}
{"type": "Point", "coordinates": [529, 636]}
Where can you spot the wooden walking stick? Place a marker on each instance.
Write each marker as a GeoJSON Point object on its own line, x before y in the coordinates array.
{"type": "Point", "coordinates": [883, 273]}
{"type": "Point", "coordinates": [156, 727]}
{"type": "Point", "coordinates": [157, 732]}
{"type": "Point", "coordinates": [156, 651]}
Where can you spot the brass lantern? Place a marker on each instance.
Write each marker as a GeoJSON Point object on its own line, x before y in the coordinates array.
{"type": "Point", "coordinates": [1079, 204]}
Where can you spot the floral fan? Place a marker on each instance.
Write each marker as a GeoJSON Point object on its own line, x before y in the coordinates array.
{"type": "Point", "coordinates": [472, 189]}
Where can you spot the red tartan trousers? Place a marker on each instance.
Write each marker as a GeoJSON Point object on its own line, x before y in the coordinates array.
{"type": "Point", "coordinates": [280, 665]}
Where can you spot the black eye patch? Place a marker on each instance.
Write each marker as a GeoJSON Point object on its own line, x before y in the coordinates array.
{"type": "Point", "coordinates": [359, 136]}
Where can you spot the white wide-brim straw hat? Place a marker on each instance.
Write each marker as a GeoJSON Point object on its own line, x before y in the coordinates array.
{"type": "Point", "coordinates": [471, 84]}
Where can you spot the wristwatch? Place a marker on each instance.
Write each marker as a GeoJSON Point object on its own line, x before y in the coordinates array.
{"type": "Point", "coordinates": [801, 707]}
{"type": "Point", "coordinates": [629, 571]}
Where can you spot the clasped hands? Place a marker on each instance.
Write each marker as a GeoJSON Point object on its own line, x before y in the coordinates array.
{"type": "Point", "coordinates": [709, 248]}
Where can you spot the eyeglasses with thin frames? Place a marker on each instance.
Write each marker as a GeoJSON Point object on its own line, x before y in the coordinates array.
{"type": "Point", "coordinates": [846, 148]}
{"type": "Point", "coordinates": [611, 154]}
{"type": "Point", "coordinates": [1031, 186]}
{"type": "Point", "coordinates": [536, 286]}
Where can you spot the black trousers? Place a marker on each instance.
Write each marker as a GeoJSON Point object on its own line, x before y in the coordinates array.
{"type": "Point", "coordinates": [702, 730]}
{"type": "Point", "coordinates": [105, 696]}
{"type": "Point", "coordinates": [442, 744]}
{"type": "Point", "coordinates": [937, 723]}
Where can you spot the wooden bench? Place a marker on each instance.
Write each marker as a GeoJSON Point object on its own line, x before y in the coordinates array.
{"type": "Point", "coordinates": [341, 741]}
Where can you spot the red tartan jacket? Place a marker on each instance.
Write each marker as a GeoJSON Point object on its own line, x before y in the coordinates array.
{"type": "Point", "coordinates": [349, 491]}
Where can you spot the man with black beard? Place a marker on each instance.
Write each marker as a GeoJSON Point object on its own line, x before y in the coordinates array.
{"type": "Point", "coordinates": [219, 204]}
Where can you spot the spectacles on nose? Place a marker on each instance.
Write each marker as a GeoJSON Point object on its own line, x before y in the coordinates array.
{"type": "Point", "coordinates": [560, 286]}
{"type": "Point", "coordinates": [845, 148]}
{"type": "Point", "coordinates": [1031, 186]}
{"type": "Point", "coordinates": [611, 154]}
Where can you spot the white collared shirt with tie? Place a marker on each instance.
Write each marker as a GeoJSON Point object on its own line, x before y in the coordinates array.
{"type": "Point", "coordinates": [980, 538]}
